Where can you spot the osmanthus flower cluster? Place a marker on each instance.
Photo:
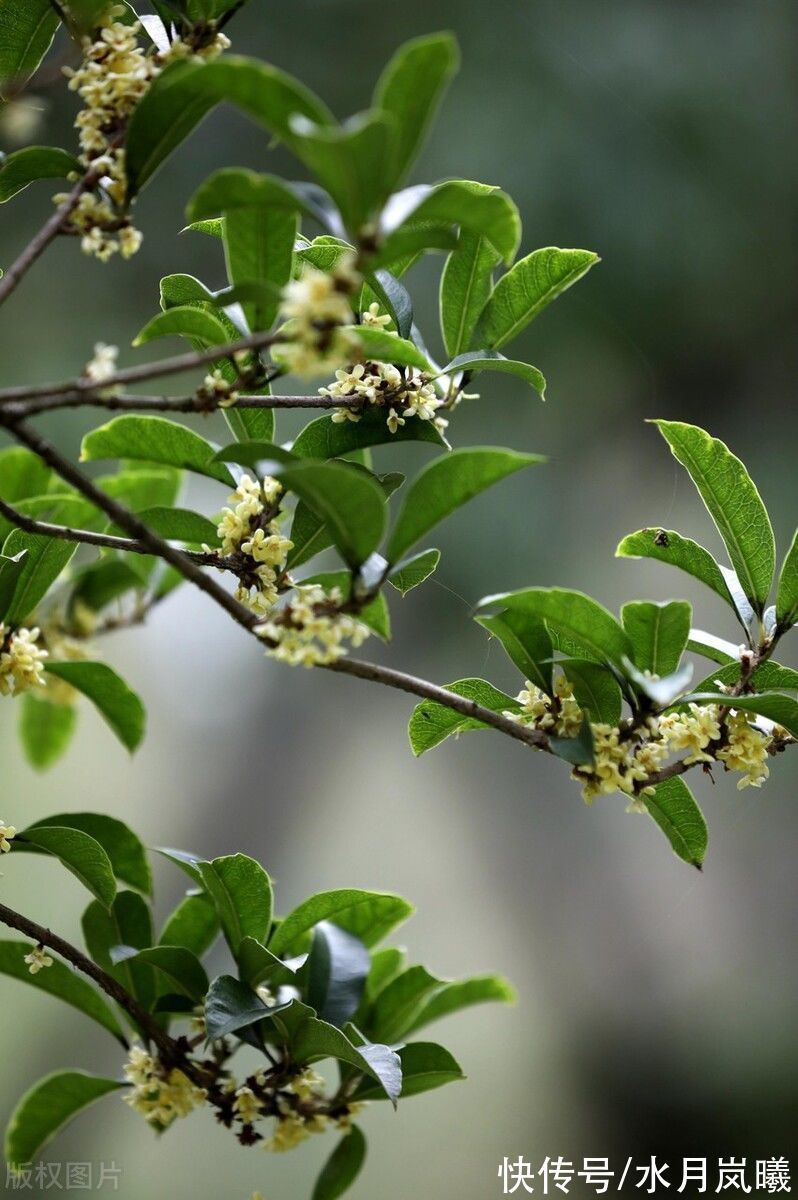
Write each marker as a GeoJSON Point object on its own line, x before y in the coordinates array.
{"type": "Point", "coordinates": [315, 989]}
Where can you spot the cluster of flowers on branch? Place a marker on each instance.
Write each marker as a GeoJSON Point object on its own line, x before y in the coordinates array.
{"type": "Point", "coordinates": [248, 527]}
{"type": "Point", "coordinates": [317, 308]}
{"type": "Point", "coordinates": [312, 630]}
{"type": "Point", "coordinates": [21, 660]}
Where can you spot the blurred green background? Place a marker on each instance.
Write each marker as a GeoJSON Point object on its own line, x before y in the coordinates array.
{"type": "Point", "coordinates": [657, 1006]}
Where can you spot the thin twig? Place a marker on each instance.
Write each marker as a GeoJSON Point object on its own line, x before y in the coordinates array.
{"type": "Point", "coordinates": [40, 241]}
{"type": "Point", "coordinates": [167, 404]}
{"type": "Point", "coordinates": [167, 366]}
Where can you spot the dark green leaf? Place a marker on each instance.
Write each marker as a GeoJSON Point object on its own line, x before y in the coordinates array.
{"type": "Point", "coordinates": [185, 92]}
{"type": "Point", "coordinates": [180, 966]}
{"type": "Point", "coordinates": [325, 438]}
{"type": "Point", "coordinates": [259, 245]}
{"type": "Point", "coordinates": [393, 297]}
{"type": "Point", "coordinates": [47, 1107]}
{"type": "Point", "coordinates": [431, 723]}
{"type": "Point", "coordinates": [716, 648]}
{"type": "Point", "coordinates": [117, 704]}
{"type": "Point", "coordinates": [258, 965]}
{"type": "Point", "coordinates": [186, 321]}
{"type": "Point", "coordinates": [45, 730]}
{"type": "Point", "coordinates": [770, 676]}
{"type": "Point", "coordinates": [527, 642]}
{"type": "Point", "coordinates": [579, 751]}
{"type": "Point", "coordinates": [255, 454]}
{"type": "Point", "coordinates": [595, 690]}
{"type": "Point", "coordinates": [472, 206]}
{"type": "Point", "coordinates": [658, 633]}
{"type": "Point", "coordinates": [673, 808]}
{"type": "Point", "coordinates": [733, 503]}
{"type": "Point", "coordinates": [23, 167]}
{"type": "Point", "coordinates": [474, 361]}
{"type": "Point", "coordinates": [399, 1003]}
{"type": "Point", "coordinates": [26, 31]}
{"type": "Point", "coordinates": [193, 924]}
{"type": "Point", "coordinates": [315, 1040]}
{"type": "Point", "coordinates": [336, 973]}
{"type": "Point", "coordinates": [466, 284]}
{"type": "Point", "coordinates": [79, 853]}
{"type": "Point", "coordinates": [379, 346]}
{"type": "Point", "coordinates": [413, 571]}
{"type": "Point", "coordinates": [528, 288]}
{"type": "Point", "coordinates": [782, 710]}
{"type": "Point", "coordinates": [342, 1167]}
{"type": "Point", "coordinates": [60, 981]}
{"type": "Point", "coordinates": [425, 1066]}
{"type": "Point", "coordinates": [45, 557]}
{"type": "Point", "coordinates": [154, 439]}
{"type": "Point", "coordinates": [370, 916]}
{"type": "Point", "coordinates": [577, 616]}
{"type": "Point", "coordinates": [124, 849]}
{"type": "Point", "coordinates": [453, 997]}
{"type": "Point", "coordinates": [667, 546]}
{"type": "Point", "coordinates": [233, 1008]}
{"type": "Point", "coordinates": [410, 89]}
{"type": "Point", "coordinates": [242, 893]}
{"type": "Point", "coordinates": [181, 525]}
{"type": "Point", "coordinates": [350, 502]}
{"type": "Point", "coordinates": [446, 484]}
{"type": "Point", "coordinates": [787, 601]}
{"type": "Point", "coordinates": [127, 923]}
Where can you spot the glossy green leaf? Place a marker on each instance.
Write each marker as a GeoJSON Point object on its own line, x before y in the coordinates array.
{"type": "Point", "coordinates": [577, 616]}
{"type": "Point", "coordinates": [769, 676]}
{"type": "Point", "coordinates": [732, 501]}
{"type": "Point", "coordinates": [259, 246]}
{"type": "Point", "coordinates": [116, 702]}
{"type": "Point", "coordinates": [425, 1066]}
{"type": "Point", "coordinates": [60, 981]}
{"type": "Point", "coordinates": [185, 321]}
{"type": "Point", "coordinates": [342, 1167]}
{"type": "Point", "coordinates": [183, 970]}
{"type": "Point", "coordinates": [26, 166]}
{"type": "Point", "coordinates": [26, 31]}
{"type": "Point", "coordinates": [315, 1040]}
{"type": "Point", "coordinates": [527, 642]}
{"type": "Point", "coordinates": [595, 689]}
{"type": "Point", "coordinates": [414, 571]}
{"type": "Point", "coordinates": [180, 525]}
{"type": "Point", "coordinates": [81, 854]}
{"type": "Point", "coordinates": [431, 723]}
{"type": "Point", "coordinates": [718, 649]}
{"type": "Point", "coordinates": [410, 89]}
{"type": "Point", "coordinates": [466, 284]}
{"type": "Point", "coordinates": [128, 922]}
{"type": "Point", "coordinates": [242, 893]}
{"type": "Point", "coordinates": [258, 965]}
{"type": "Point", "coordinates": [667, 546]}
{"type": "Point", "coordinates": [379, 346]}
{"type": "Point", "coordinates": [231, 1007]}
{"type": "Point", "coordinates": [336, 973]}
{"type": "Point", "coordinates": [658, 632]}
{"type": "Point", "coordinates": [453, 997]}
{"type": "Point", "coordinates": [186, 91]}
{"type": "Point", "coordinates": [254, 454]}
{"type": "Point", "coordinates": [396, 1008]}
{"type": "Point", "coordinates": [154, 439]}
{"type": "Point", "coordinates": [194, 924]}
{"type": "Point", "coordinates": [673, 808]}
{"type": "Point", "coordinates": [787, 601]}
{"type": "Point", "coordinates": [48, 1107]}
{"type": "Point", "coordinates": [325, 438]}
{"type": "Point", "coordinates": [125, 851]}
{"type": "Point", "coordinates": [475, 361]}
{"type": "Point", "coordinates": [370, 916]}
{"type": "Point", "coordinates": [22, 475]}
{"type": "Point", "coordinates": [579, 751]}
{"type": "Point", "coordinates": [782, 710]}
{"type": "Point", "coordinates": [45, 730]}
{"type": "Point", "coordinates": [237, 187]}
{"type": "Point", "coordinates": [446, 484]}
{"type": "Point", "coordinates": [350, 502]}
{"type": "Point", "coordinates": [393, 298]}
{"type": "Point", "coordinates": [528, 288]}
{"type": "Point", "coordinates": [45, 557]}
{"type": "Point", "coordinates": [472, 206]}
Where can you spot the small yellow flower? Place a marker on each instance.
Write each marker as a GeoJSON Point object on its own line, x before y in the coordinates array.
{"type": "Point", "coordinates": [37, 960]}
{"type": "Point", "coordinates": [7, 835]}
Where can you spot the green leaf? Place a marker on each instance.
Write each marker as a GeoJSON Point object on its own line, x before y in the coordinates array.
{"type": "Point", "coordinates": [673, 808]}
{"type": "Point", "coordinates": [474, 361]}
{"type": "Point", "coordinates": [446, 484]}
{"type": "Point", "coordinates": [154, 439]}
{"type": "Point", "coordinates": [425, 1066]}
{"type": "Point", "coordinates": [379, 346]}
{"type": "Point", "coordinates": [579, 751]}
{"type": "Point", "coordinates": [472, 206]}
{"type": "Point", "coordinates": [22, 475]}
{"type": "Point", "coordinates": [237, 187]}
{"type": "Point", "coordinates": [410, 89]}
{"type": "Point", "coordinates": [117, 704]}
{"type": "Point", "coordinates": [453, 997]}
{"type": "Point", "coordinates": [185, 92]}
{"type": "Point", "coordinates": [393, 297]}
{"type": "Point", "coordinates": [255, 454]}
{"type": "Point", "coordinates": [667, 546]}
{"type": "Point", "coordinates": [528, 288]}
{"type": "Point", "coordinates": [231, 1007]}
{"type": "Point", "coordinates": [242, 893]}
{"type": "Point", "coordinates": [45, 557]}
{"type": "Point", "coordinates": [466, 284]}
{"type": "Point", "coordinates": [315, 1040]}
{"type": "Point", "coordinates": [325, 438]}
{"type": "Point", "coordinates": [375, 614]}
{"type": "Point", "coordinates": [782, 710]}
{"type": "Point", "coordinates": [26, 31]}
{"type": "Point", "coordinates": [787, 601]}
{"type": "Point", "coordinates": [45, 730]}
{"type": "Point", "coordinates": [342, 1167]}
{"type": "Point", "coordinates": [350, 502]}
{"type": "Point", "coordinates": [658, 632]}
{"type": "Point", "coordinates": [61, 981]}
{"type": "Point", "coordinates": [577, 616]}
{"type": "Point", "coordinates": [259, 245]}
{"type": "Point", "coordinates": [124, 849]}
{"type": "Point", "coordinates": [258, 965]}
{"type": "Point", "coordinates": [127, 923]}
{"type": "Point", "coordinates": [47, 1107]}
{"type": "Point", "coordinates": [395, 1010]}
{"type": "Point", "coordinates": [386, 964]}
{"type": "Point", "coordinates": [194, 924]}
{"type": "Point", "coordinates": [770, 676]}
{"type": "Point", "coordinates": [370, 916]}
{"type": "Point", "coordinates": [180, 966]}
{"type": "Point", "coordinates": [79, 853]}
{"type": "Point", "coordinates": [183, 859]}
{"type": "Point", "coordinates": [733, 503]}
{"type": "Point", "coordinates": [413, 571]}
{"type": "Point", "coordinates": [431, 723]}
{"type": "Point", "coordinates": [595, 690]}
{"type": "Point", "coordinates": [23, 167]}
{"type": "Point", "coordinates": [527, 642]}
{"type": "Point", "coordinates": [186, 321]}
{"type": "Point", "coordinates": [180, 525]}
{"type": "Point", "coordinates": [716, 648]}
{"type": "Point", "coordinates": [336, 973]}
{"type": "Point", "coordinates": [100, 583]}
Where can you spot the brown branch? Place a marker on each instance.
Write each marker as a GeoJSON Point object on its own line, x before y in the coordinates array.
{"type": "Point", "coordinates": [41, 240]}
{"type": "Point", "coordinates": [167, 366]}
{"type": "Point", "coordinates": [109, 541]}
{"type": "Point", "coordinates": [165, 404]}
